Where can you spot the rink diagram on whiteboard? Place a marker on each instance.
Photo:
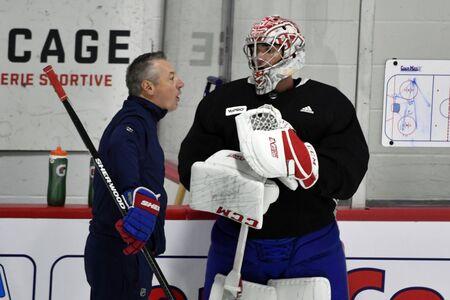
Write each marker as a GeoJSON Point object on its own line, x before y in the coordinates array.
{"type": "Point", "coordinates": [416, 106]}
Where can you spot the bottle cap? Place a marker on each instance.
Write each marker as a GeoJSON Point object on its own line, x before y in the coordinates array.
{"type": "Point", "coordinates": [58, 152]}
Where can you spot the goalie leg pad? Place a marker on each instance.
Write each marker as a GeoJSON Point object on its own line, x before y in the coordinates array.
{"type": "Point", "coordinates": [250, 291]}
{"type": "Point", "coordinates": [312, 288]}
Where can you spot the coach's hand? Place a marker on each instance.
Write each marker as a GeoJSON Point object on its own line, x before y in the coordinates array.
{"type": "Point", "coordinates": [138, 224]}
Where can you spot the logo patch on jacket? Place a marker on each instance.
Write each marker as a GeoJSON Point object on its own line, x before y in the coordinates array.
{"type": "Point", "coordinates": [235, 110]}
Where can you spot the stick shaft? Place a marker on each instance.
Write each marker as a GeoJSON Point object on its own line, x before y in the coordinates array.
{"type": "Point", "coordinates": [240, 249]}
{"type": "Point", "coordinates": [118, 199]}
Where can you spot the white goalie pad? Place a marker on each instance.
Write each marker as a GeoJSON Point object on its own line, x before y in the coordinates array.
{"type": "Point", "coordinates": [250, 290]}
{"type": "Point", "coordinates": [226, 185]}
{"type": "Point", "coordinates": [312, 288]}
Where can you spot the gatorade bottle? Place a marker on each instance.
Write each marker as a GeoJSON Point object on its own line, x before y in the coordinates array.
{"type": "Point", "coordinates": [91, 180]}
{"type": "Point", "coordinates": [56, 192]}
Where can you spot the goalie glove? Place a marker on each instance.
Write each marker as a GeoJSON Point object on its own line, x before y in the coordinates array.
{"type": "Point", "coordinates": [226, 185]}
{"type": "Point", "coordinates": [273, 149]}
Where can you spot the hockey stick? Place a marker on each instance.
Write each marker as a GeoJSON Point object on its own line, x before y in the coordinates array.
{"type": "Point", "coordinates": [233, 279]}
{"type": "Point", "coordinates": [212, 80]}
{"type": "Point", "coordinates": [119, 200]}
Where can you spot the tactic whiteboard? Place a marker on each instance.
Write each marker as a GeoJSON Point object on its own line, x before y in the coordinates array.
{"type": "Point", "coordinates": [89, 44]}
{"type": "Point", "coordinates": [416, 106]}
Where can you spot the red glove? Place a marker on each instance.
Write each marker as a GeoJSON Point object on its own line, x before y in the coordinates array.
{"type": "Point", "coordinates": [134, 245]}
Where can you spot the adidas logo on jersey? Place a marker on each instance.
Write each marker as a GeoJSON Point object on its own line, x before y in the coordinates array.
{"type": "Point", "coordinates": [307, 109]}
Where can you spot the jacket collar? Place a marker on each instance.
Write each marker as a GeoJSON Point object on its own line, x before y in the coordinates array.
{"type": "Point", "coordinates": [155, 110]}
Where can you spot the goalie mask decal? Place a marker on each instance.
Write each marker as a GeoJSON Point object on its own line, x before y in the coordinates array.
{"type": "Point", "coordinates": [275, 50]}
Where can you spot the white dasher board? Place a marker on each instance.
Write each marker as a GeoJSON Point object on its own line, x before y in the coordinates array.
{"type": "Point", "coordinates": [416, 105]}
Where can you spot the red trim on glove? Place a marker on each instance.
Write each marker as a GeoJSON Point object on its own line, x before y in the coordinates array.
{"type": "Point", "coordinates": [308, 182]}
{"type": "Point", "coordinates": [290, 139]}
{"type": "Point", "coordinates": [147, 203]}
{"type": "Point", "coordinates": [134, 245]}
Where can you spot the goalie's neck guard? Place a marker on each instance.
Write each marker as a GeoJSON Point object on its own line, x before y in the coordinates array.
{"type": "Point", "coordinates": [274, 94]}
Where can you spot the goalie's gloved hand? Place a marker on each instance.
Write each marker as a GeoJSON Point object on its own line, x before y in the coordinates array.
{"type": "Point", "coordinates": [273, 149]}
{"type": "Point", "coordinates": [138, 224]}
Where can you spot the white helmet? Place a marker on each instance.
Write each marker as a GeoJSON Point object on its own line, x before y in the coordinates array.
{"type": "Point", "coordinates": [284, 36]}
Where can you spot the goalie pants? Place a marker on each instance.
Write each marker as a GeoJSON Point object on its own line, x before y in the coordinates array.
{"type": "Point", "coordinates": [113, 275]}
{"type": "Point", "coordinates": [319, 253]}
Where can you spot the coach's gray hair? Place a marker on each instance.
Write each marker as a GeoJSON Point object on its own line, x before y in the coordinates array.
{"type": "Point", "coordinates": [141, 69]}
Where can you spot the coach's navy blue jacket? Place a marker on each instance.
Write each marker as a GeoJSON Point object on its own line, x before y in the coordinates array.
{"type": "Point", "coordinates": [132, 155]}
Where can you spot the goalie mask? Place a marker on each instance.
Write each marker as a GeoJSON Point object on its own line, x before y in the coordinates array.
{"type": "Point", "coordinates": [275, 50]}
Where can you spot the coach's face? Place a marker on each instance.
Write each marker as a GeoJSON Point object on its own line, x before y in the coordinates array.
{"type": "Point", "coordinates": [167, 90]}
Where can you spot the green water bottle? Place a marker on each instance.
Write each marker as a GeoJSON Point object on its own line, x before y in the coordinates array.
{"type": "Point", "coordinates": [57, 170]}
{"type": "Point", "coordinates": [91, 181]}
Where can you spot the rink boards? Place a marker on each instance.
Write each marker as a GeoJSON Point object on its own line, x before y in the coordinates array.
{"type": "Point", "coordinates": [407, 258]}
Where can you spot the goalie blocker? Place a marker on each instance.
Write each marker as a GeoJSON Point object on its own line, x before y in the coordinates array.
{"type": "Point", "coordinates": [226, 185]}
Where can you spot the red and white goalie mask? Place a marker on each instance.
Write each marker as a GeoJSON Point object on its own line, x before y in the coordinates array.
{"type": "Point", "coordinates": [275, 50]}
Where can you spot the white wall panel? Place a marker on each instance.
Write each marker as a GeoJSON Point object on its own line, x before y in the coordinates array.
{"type": "Point", "coordinates": [411, 40]}
{"type": "Point", "coordinates": [408, 177]}
{"type": "Point", "coordinates": [192, 44]}
{"type": "Point", "coordinates": [417, 30]}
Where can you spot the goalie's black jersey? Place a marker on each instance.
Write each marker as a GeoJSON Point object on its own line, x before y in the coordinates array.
{"type": "Point", "coordinates": [321, 115]}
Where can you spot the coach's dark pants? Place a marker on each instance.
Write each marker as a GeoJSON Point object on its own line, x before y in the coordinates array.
{"type": "Point", "coordinates": [113, 275]}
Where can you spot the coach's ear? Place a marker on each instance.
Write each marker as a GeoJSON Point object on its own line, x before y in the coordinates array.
{"type": "Point", "coordinates": [147, 88]}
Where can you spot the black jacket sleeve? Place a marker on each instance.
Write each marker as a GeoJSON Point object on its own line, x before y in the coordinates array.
{"type": "Point", "coordinates": [201, 142]}
{"type": "Point", "coordinates": [343, 153]}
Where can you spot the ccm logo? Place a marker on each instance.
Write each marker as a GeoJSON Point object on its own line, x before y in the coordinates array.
{"type": "Point", "coordinates": [151, 205]}
{"type": "Point", "coordinates": [273, 147]}
{"type": "Point", "coordinates": [237, 217]}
